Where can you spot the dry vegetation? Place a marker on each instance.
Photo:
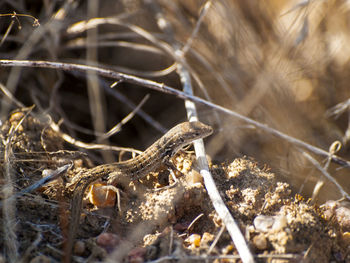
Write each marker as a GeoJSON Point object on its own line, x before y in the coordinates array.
{"type": "Point", "coordinates": [281, 63]}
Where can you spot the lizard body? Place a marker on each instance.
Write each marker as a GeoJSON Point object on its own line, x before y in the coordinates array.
{"type": "Point", "coordinates": [152, 158]}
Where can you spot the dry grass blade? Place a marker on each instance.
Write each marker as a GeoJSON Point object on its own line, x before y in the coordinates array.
{"type": "Point", "coordinates": [90, 146]}
{"type": "Point", "coordinates": [130, 104]}
{"type": "Point", "coordinates": [48, 178]}
{"type": "Point", "coordinates": [9, 204]}
{"type": "Point", "coordinates": [333, 149]}
{"type": "Point", "coordinates": [10, 97]}
{"type": "Point", "coordinates": [118, 127]}
{"type": "Point", "coordinates": [327, 175]}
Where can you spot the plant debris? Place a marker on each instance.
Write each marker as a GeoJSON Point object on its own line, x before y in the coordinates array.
{"type": "Point", "coordinates": [154, 221]}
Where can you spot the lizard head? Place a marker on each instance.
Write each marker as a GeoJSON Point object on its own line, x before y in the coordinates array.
{"type": "Point", "coordinates": [178, 137]}
{"type": "Point", "coordinates": [194, 130]}
{"type": "Point", "coordinates": [183, 134]}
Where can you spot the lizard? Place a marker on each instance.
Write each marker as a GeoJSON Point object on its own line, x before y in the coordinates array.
{"type": "Point", "coordinates": [156, 155]}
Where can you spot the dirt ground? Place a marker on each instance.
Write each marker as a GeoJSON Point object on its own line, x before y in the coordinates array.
{"type": "Point", "coordinates": [284, 64]}
{"type": "Point", "coordinates": [152, 222]}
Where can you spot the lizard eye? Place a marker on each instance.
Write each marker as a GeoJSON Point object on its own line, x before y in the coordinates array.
{"type": "Point", "coordinates": [168, 152]}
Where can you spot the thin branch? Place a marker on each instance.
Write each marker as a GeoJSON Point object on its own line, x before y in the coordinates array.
{"type": "Point", "coordinates": [169, 90]}
{"type": "Point", "coordinates": [183, 70]}
{"type": "Point", "coordinates": [327, 175]}
{"type": "Point", "coordinates": [90, 146]}
{"type": "Point", "coordinates": [218, 203]}
{"type": "Point", "coordinates": [213, 244]}
{"type": "Point", "coordinates": [334, 148]}
{"type": "Point", "coordinates": [127, 118]}
{"type": "Point", "coordinates": [119, 96]}
{"type": "Point", "coordinates": [214, 195]}
{"type": "Point", "coordinates": [203, 12]}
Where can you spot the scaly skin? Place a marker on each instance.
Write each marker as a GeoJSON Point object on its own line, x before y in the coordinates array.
{"type": "Point", "coordinates": [159, 153]}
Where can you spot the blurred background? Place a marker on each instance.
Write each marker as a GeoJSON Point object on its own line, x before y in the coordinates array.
{"type": "Point", "coordinates": [281, 63]}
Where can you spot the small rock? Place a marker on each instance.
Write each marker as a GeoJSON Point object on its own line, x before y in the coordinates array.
{"type": "Point", "coordinates": [79, 248]}
{"type": "Point", "coordinates": [108, 241]}
{"type": "Point", "coordinates": [260, 242]}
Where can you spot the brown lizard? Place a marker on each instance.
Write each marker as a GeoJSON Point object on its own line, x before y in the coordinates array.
{"type": "Point", "coordinates": [151, 159]}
